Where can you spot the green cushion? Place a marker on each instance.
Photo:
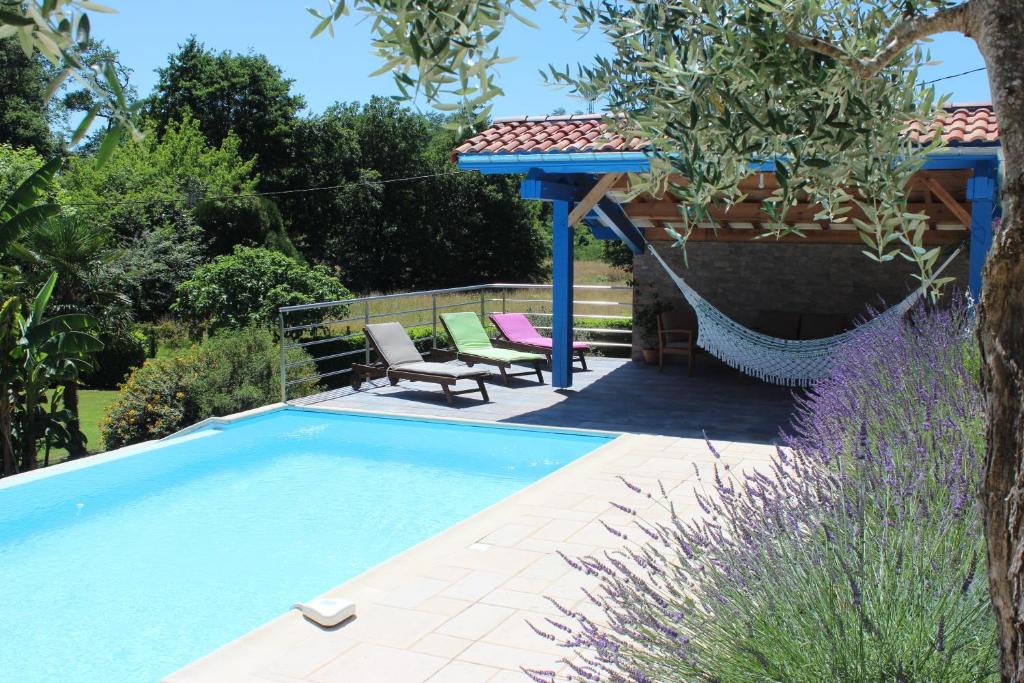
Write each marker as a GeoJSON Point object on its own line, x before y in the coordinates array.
{"type": "Point", "coordinates": [469, 336]}
{"type": "Point", "coordinates": [507, 355]}
{"type": "Point", "coordinates": [467, 333]}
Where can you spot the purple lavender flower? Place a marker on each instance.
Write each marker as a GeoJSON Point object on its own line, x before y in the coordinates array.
{"type": "Point", "coordinates": [853, 557]}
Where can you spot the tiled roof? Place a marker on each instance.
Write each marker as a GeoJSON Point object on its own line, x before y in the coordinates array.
{"type": "Point", "coordinates": [576, 133]}
{"type": "Point", "coordinates": [961, 124]}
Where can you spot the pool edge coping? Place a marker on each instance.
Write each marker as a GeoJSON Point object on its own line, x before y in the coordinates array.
{"type": "Point", "coordinates": [185, 434]}
{"type": "Point", "coordinates": [221, 422]}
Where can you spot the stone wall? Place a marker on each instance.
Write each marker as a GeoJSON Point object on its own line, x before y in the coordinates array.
{"type": "Point", "coordinates": [754, 281]}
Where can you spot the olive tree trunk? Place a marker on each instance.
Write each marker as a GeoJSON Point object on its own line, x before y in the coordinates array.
{"type": "Point", "coordinates": [998, 28]}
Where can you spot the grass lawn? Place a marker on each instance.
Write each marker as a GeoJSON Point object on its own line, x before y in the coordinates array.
{"type": "Point", "coordinates": [92, 404]}
{"type": "Point", "coordinates": [598, 273]}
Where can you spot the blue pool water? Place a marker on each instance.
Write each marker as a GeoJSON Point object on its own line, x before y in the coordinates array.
{"type": "Point", "coordinates": [129, 569]}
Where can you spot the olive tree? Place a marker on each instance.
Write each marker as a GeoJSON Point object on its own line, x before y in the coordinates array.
{"type": "Point", "coordinates": [59, 30]}
{"type": "Point", "coordinates": [822, 87]}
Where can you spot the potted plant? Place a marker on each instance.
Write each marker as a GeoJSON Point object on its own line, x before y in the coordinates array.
{"type": "Point", "coordinates": [645, 320]}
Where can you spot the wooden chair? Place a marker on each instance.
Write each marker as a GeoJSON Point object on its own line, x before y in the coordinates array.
{"type": "Point", "coordinates": [474, 346]}
{"type": "Point", "coordinates": [517, 332]}
{"type": "Point", "coordinates": [402, 360]}
{"type": "Point", "coordinates": [677, 336]}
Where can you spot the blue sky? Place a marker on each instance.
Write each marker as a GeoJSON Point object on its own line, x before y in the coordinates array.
{"type": "Point", "coordinates": [328, 70]}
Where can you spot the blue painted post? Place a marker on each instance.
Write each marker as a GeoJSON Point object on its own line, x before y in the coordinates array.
{"type": "Point", "coordinates": [981, 192]}
{"type": "Point", "coordinates": [561, 296]}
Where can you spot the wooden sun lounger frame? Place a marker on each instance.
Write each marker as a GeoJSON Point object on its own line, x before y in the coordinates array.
{"type": "Point", "coordinates": [503, 366]}
{"type": "Point", "coordinates": [505, 343]}
{"type": "Point", "coordinates": [366, 371]}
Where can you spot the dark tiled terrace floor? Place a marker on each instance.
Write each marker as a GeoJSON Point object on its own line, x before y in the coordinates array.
{"type": "Point", "coordinates": [614, 395]}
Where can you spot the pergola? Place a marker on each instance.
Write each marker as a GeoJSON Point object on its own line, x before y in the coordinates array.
{"type": "Point", "coordinates": [579, 166]}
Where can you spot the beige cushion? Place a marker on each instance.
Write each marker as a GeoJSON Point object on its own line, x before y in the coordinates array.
{"type": "Point", "coordinates": [393, 343]}
{"type": "Point", "coordinates": [442, 370]}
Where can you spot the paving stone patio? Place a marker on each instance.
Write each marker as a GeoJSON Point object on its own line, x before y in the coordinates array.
{"type": "Point", "coordinates": [458, 607]}
{"type": "Point", "coordinates": [614, 395]}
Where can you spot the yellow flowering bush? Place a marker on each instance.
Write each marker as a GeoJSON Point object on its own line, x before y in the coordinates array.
{"type": "Point", "coordinates": [156, 400]}
{"type": "Point", "coordinates": [233, 371]}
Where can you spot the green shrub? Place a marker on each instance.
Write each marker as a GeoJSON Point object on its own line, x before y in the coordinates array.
{"type": "Point", "coordinates": [166, 336]}
{"type": "Point", "coordinates": [235, 371]}
{"type": "Point", "coordinates": [609, 351]}
{"type": "Point", "coordinates": [120, 355]}
{"type": "Point", "coordinates": [247, 287]}
{"type": "Point", "coordinates": [158, 399]}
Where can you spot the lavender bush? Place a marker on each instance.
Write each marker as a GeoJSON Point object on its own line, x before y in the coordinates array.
{"type": "Point", "coordinates": [858, 557]}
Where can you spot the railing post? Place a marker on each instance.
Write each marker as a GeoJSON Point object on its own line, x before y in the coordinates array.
{"type": "Point", "coordinates": [504, 293]}
{"type": "Point", "coordinates": [366, 339]}
{"type": "Point", "coordinates": [483, 305]}
{"type": "Point", "coordinates": [284, 369]}
{"type": "Point", "coordinates": [433, 322]}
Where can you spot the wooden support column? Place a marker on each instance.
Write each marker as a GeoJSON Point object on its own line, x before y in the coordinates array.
{"type": "Point", "coordinates": [561, 296]}
{"type": "Point", "coordinates": [981, 192]}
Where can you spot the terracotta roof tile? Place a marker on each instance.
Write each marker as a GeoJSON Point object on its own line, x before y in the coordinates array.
{"type": "Point", "coordinates": [968, 124]}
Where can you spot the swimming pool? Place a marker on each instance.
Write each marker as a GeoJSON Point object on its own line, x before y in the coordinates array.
{"type": "Point", "coordinates": [129, 569]}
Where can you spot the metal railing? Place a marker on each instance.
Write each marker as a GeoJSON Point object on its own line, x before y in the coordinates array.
{"type": "Point", "coordinates": [320, 341]}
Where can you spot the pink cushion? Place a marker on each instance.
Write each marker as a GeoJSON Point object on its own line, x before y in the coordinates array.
{"type": "Point", "coordinates": [517, 328]}
{"type": "Point", "coordinates": [546, 343]}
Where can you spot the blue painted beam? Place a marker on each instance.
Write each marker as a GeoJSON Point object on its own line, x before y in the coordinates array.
{"type": "Point", "coordinates": [545, 190]}
{"type": "Point", "coordinates": [637, 162]}
{"type": "Point", "coordinates": [601, 232]}
{"type": "Point", "coordinates": [556, 162]}
{"type": "Point", "coordinates": [615, 219]}
{"type": "Point", "coordinates": [982, 192]}
{"type": "Point", "coordinates": [951, 161]}
{"type": "Point", "coordinates": [561, 296]}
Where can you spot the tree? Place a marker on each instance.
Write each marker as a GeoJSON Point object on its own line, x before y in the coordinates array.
{"type": "Point", "coordinates": [16, 165]}
{"type": "Point", "coordinates": [825, 90]}
{"type": "Point", "coordinates": [156, 261]}
{"type": "Point", "coordinates": [74, 99]}
{"type": "Point", "coordinates": [37, 353]}
{"type": "Point", "coordinates": [247, 287]}
{"type": "Point", "coordinates": [58, 31]}
{"type": "Point", "coordinates": [146, 184]}
{"type": "Point", "coordinates": [388, 221]}
{"type": "Point", "coordinates": [24, 118]}
{"type": "Point", "coordinates": [229, 93]}
{"type": "Point", "coordinates": [89, 281]}
{"type": "Point", "coordinates": [251, 221]}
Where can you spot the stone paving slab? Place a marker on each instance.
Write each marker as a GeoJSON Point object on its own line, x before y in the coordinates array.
{"type": "Point", "coordinates": [614, 395]}
{"type": "Point", "coordinates": [457, 607]}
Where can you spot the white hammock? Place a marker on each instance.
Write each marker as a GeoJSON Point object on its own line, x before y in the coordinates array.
{"type": "Point", "coordinates": [791, 362]}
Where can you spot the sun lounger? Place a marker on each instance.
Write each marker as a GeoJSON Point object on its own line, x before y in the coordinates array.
{"type": "Point", "coordinates": [473, 346]}
{"type": "Point", "coordinates": [518, 333]}
{"type": "Point", "coordinates": [401, 360]}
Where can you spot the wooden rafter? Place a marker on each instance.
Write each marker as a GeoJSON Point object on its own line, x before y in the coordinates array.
{"type": "Point", "coordinates": [596, 193]}
{"type": "Point", "coordinates": [931, 237]}
{"type": "Point", "coordinates": [749, 212]}
{"type": "Point", "coordinates": [943, 195]}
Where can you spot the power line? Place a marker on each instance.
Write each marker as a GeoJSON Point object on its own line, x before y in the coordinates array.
{"type": "Point", "coordinates": [962, 73]}
{"type": "Point", "coordinates": [269, 193]}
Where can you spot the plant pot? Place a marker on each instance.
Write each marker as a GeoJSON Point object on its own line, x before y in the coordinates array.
{"type": "Point", "coordinates": [650, 356]}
